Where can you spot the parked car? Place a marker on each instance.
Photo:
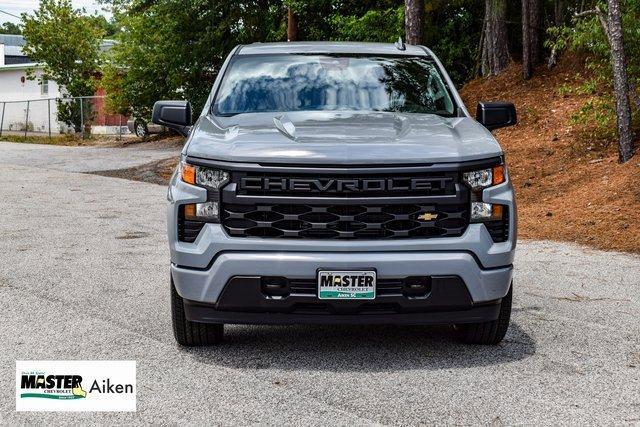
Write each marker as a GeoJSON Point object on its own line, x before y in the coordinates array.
{"type": "Point", "coordinates": [339, 183]}
{"type": "Point", "coordinates": [143, 128]}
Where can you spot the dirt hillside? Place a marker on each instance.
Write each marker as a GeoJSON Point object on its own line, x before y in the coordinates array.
{"type": "Point", "coordinates": [567, 188]}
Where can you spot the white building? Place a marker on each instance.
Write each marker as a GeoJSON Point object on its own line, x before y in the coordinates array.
{"type": "Point", "coordinates": [17, 92]}
{"type": "Point", "coordinates": [16, 86]}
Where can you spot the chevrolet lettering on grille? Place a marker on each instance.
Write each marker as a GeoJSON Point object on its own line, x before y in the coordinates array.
{"type": "Point", "coordinates": [336, 185]}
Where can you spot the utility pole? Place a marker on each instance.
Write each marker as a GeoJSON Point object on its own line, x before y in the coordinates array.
{"type": "Point", "coordinates": [292, 25]}
{"type": "Point", "coordinates": [413, 21]}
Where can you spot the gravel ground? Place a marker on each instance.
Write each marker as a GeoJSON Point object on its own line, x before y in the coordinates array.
{"type": "Point", "coordinates": [85, 276]}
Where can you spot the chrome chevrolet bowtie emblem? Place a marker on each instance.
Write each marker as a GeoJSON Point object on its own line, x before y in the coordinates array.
{"type": "Point", "coordinates": [428, 216]}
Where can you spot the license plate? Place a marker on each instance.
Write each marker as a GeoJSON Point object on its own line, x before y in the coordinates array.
{"type": "Point", "coordinates": [346, 284]}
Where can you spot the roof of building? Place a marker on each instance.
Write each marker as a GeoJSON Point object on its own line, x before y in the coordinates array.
{"type": "Point", "coordinates": [12, 40]}
{"type": "Point", "coordinates": [107, 44]}
{"type": "Point", "coordinates": [330, 47]}
{"type": "Point", "coordinates": [13, 44]}
{"type": "Point", "coordinates": [20, 66]}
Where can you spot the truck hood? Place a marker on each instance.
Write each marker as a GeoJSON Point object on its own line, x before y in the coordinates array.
{"type": "Point", "coordinates": [339, 138]}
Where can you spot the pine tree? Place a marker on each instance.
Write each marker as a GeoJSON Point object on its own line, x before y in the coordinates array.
{"type": "Point", "coordinates": [495, 48]}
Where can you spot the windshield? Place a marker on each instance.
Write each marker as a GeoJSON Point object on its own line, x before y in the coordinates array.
{"type": "Point", "coordinates": [281, 83]}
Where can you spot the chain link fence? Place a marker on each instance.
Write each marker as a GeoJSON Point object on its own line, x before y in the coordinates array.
{"type": "Point", "coordinates": [55, 116]}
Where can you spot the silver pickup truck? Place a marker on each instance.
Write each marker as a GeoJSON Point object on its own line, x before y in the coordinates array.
{"type": "Point", "coordinates": [339, 183]}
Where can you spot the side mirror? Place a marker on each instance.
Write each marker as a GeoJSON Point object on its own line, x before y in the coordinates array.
{"type": "Point", "coordinates": [494, 115]}
{"type": "Point", "coordinates": [173, 114]}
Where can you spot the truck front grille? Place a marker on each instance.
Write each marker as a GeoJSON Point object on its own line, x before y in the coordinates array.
{"type": "Point", "coordinates": [345, 203]}
{"type": "Point", "coordinates": [319, 221]}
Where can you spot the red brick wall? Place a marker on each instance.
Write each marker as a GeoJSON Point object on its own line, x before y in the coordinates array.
{"type": "Point", "coordinates": [101, 118]}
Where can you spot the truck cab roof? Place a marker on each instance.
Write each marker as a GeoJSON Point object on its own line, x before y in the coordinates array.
{"type": "Point", "coordinates": [364, 48]}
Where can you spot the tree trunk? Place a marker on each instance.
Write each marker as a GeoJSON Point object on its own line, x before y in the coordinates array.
{"type": "Point", "coordinates": [531, 36]}
{"type": "Point", "coordinates": [413, 20]}
{"type": "Point", "coordinates": [620, 81]}
{"type": "Point", "coordinates": [495, 51]}
{"type": "Point", "coordinates": [558, 13]}
{"type": "Point", "coordinates": [535, 26]}
{"type": "Point", "coordinates": [292, 25]}
{"type": "Point", "coordinates": [558, 21]}
{"type": "Point", "coordinates": [478, 66]}
{"type": "Point", "coordinates": [633, 94]}
{"type": "Point", "coordinates": [526, 40]}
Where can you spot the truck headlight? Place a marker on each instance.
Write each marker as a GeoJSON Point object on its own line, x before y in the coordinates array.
{"type": "Point", "coordinates": [481, 211]}
{"type": "Point", "coordinates": [478, 180]}
{"type": "Point", "coordinates": [207, 211]}
{"type": "Point", "coordinates": [481, 179]}
{"type": "Point", "coordinates": [210, 178]}
{"type": "Point", "coordinates": [200, 175]}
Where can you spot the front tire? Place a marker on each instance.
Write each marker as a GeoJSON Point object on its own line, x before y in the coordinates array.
{"type": "Point", "coordinates": [188, 333]}
{"type": "Point", "coordinates": [141, 129]}
{"type": "Point", "coordinates": [489, 333]}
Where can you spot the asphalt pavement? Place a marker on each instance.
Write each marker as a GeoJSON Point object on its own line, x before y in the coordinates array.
{"type": "Point", "coordinates": [84, 275]}
{"type": "Point", "coordinates": [83, 159]}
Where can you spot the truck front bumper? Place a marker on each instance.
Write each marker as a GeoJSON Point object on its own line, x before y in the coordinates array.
{"type": "Point", "coordinates": [243, 301]}
{"type": "Point", "coordinates": [205, 285]}
{"type": "Point", "coordinates": [229, 290]}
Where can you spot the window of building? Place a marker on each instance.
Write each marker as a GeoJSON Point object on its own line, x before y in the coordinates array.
{"type": "Point", "coordinates": [44, 87]}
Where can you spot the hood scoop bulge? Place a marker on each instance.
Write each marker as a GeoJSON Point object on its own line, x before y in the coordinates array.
{"type": "Point", "coordinates": [285, 126]}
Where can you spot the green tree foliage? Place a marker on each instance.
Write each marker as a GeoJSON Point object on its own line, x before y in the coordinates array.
{"type": "Point", "coordinates": [453, 30]}
{"type": "Point", "coordinates": [585, 35]}
{"type": "Point", "coordinates": [10, 28]}
{"type": "Point", "coordinates": [357, 20]}
{"type": "Point", "coordinates": [168, 49]}
{"type": "Point", "coordinates": [374, 26]}
{"type": "Point", "coordinates": [67, 43]}
{"type": "Point", "coordinates": [109, 27]}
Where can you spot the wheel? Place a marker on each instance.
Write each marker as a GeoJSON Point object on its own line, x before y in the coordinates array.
{"type": "Point", "coordinates": [188, 333]}
{"type": "Point", "coordinates": [141, 129]}
{"type": "Point", "coordinates": [489, 332]}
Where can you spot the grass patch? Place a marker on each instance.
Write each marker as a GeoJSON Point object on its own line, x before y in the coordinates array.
{"type": "Point", "coordinates": [71, 140]}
